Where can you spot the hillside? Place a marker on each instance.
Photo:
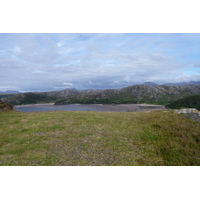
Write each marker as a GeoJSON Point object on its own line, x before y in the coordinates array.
{"type": "Point", "coordinates": [38, 97]}
{"type": "Point", "coordinates": [4, 95]}
{"type": "Point", "coordinates": [98, 138]}
{"type": "Point", "coordinates": [5, 106]}
{"type": "Point", "coordinates": [133, 94]}
{"type": "Point", "coordinates": [187, 102]}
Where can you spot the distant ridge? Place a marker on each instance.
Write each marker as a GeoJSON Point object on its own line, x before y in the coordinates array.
{"type": "Point", "coordinates": [183, 83]}
{"type": "Point", "coordinates": [162, 94]}
{"type": "Point", "coordinates": [173, 84]}
{"type": "Point", "coordinates": [150, 84]}
{"type": "Point", "coordinates": [71, 89]}
{"type": "Point", "coordinates": [10, 92]}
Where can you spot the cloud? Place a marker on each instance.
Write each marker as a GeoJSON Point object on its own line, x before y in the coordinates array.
{"type": "Point", "coordinates": [68, 84]}
{"type": "Point", "coordinates": [17, 50]}
{"type": "Point", "coordinates": [127, 79]}
{"type": "Point", "coordinates": [60, 44]}
{"type": "Point", "coordinates": [37, 72]}
{"type": "Point", "coordinates": [49, 61]}
{"type": "Point", "coordinates": [197, 65]}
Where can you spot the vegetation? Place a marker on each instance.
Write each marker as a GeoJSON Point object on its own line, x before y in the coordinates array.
{"type": "Point", "coordinates": [30, 98]}
{"type": "Point", "coordinates": [121, 98]}
{"type": "Point", "coordinates": [2, 95]}
{"type": "Point", "coordinates": [5, 106]}
{"type": "Point", "coordinates": [98, 138]}
{"type": "Point", "coordinates": [187, 102]}
{"type": "Point", "coordinates": [133, 94]}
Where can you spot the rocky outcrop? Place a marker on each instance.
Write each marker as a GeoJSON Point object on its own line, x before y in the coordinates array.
{"type": "Point", "coordinates": [190, 112]}
{"type": "Point", "coordinates": [5, 106]}
{"type": "Point", "coordinates": [187, 110]}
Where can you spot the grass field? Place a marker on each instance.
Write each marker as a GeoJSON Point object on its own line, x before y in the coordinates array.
{"type": "Point", "coordinates": [72, 138]}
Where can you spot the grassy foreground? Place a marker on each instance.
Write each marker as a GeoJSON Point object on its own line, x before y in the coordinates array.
{"type": "Point", "coordinates": [98, 138]}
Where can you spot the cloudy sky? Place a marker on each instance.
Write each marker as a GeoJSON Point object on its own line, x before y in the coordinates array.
{"type": "Point", "coordinates": [46, 62]}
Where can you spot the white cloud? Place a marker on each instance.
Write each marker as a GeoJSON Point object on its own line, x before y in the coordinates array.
{"type": "Point", "coordinates": [60, 44]}
{"type": "Point", "coordinates": [68, 84]}
{"type": "Point", "coordinates": [127, 79]}
{"type": "Point", "coordinates": [17, 50]}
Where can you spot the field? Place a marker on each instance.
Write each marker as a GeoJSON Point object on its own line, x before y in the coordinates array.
{"type": "Point", "coordinates": [70, 138]}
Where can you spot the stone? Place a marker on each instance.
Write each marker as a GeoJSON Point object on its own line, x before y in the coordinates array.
{"type": "Point", "coordinates": [5, 106]}
{"type": "Point", "coordinates": [190, 112]}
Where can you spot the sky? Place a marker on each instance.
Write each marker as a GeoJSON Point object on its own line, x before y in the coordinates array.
{"type": "Point", "coordinates": [48, 62]}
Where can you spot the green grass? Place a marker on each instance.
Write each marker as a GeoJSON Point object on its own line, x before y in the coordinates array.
{"type": "Point", "coordinates": [98, 138]}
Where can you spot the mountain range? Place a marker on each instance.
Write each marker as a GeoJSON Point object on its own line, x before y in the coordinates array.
{"type": "Point", "coordinates": [174, 84]}
{"type": "Point", "coordinates": [184, 83]}
{"type": "Point", "coordinates": [161, 94]}
{"type": "Point", "coordinates": [9, 92]}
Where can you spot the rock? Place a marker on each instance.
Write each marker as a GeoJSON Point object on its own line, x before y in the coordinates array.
{"type": "Point", "coordinates": [194, 116]}
{"type": "Point", "coordinates": [190, 112]}
{"type": "Point", "coordinates": [187, 110]}
{"type": "Point", "coordinates": [5, 106]}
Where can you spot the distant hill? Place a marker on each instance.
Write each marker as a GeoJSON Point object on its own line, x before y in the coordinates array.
{"type": "Point", "coordinates": [162, 94]}
{"type": "Point", "coordinates": [38, 97]}
{"type": "Point", "coordinates": [183, 83]}
{"type": "Point", "coordinates": [71, 89]}
{"type": "Point", "coordinates": [150, 84]}
{"type": "Point", "coordinates": [187, 102]}
{"type": "Point", "coordinates": [9, 92]}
